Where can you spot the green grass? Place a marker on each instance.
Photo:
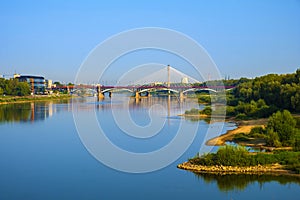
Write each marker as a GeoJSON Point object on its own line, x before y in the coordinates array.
{"type": "Point", "coordinates": [239, 156]}
{"type": "Point", "coordinates": [14, 99]}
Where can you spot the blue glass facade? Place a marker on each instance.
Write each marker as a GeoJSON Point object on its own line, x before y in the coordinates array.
{"type": "Point", "coordinates": [37, 83]}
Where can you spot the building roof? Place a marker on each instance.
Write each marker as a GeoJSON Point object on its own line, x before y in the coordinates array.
{"type": "Point", "coordinates": [31, 76]}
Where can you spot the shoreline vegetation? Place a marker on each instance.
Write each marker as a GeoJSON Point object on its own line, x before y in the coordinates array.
{"type": "Point", "coordinates": [237, 160]}
{"type": "Point", "coordinates": [266, 112]}
{"type": "Point", "coordinates": [244, 127]}
{"type": "Point", "coordinates": [32, 98]}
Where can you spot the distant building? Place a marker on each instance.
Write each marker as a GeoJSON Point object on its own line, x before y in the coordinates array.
{"type": "Point", "coordinates": [49, 84]}
{"type": "Point", "coordinates": [37, 83]}
{"type": "Point", "coordinates": [185, 80]}
{"type": "Point", "coordinates": [17, 75]}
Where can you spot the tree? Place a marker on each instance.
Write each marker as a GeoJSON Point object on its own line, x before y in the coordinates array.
{"type": "Point", "coordinates": [57, 83]}
{"type": "Point", "coordinates": [297, 141]}
{"type": "Point", "coordinates": [283, 124]}
{"type": "Point", "coordinates": [272, 138]}
{"type": "Point", "coordinates": [295, 100]}
{"type": "Point", "coordinates": [22, 89]}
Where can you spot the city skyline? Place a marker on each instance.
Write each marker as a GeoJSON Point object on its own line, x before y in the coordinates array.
{"type": "Point", "coordinates": [244, 39]}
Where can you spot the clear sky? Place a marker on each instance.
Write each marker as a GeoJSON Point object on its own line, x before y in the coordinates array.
{"type": "Point", "coordinates": [244, 38]}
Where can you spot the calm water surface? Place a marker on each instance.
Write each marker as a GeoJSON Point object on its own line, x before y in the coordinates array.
{"type": "Point", "coordinates": [42, 157]}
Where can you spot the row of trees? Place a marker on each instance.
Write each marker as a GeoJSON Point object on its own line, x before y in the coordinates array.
{"type": "Point", "coordinates": [14, 87]}
{"type": "Point", "coordinates": [259, 97]}
{"type": "Point", "coordinates": [281, 91]}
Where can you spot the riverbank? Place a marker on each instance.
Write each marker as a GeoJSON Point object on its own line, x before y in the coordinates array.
{"type": "Point", "coordinates": [275, 169]}
{"type": "Point", "coordinates": [24, 99]}
{"type": "Point", "coordinates": [242, 127]}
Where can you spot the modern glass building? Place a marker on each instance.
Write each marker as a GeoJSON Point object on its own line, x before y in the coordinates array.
{"type": "Point", "coordinates": [37, 83]}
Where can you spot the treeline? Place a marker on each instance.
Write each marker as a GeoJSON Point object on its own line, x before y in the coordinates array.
{"type": "Point", "coordinates": [239, 156]}
{"type": "Point", "coordinates": [277, 92]}
{"type": "Point", "coordinates": [14, 87]}
{"type": "Point", "coordinates": [259, 97]}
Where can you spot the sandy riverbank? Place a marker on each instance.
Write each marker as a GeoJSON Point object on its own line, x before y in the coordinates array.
{"type": "Point", "coordinates": [242, 127]}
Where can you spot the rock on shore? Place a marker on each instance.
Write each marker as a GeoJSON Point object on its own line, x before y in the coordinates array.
{"type": "Point", "coordinates": [275, 168]}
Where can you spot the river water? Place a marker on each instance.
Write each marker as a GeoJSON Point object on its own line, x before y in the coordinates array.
{"type": "Point", "coordinates": [43, 156]}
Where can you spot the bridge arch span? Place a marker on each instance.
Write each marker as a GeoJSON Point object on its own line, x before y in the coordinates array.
{"type": "Point", "coordinates": [116, 89]}
{"type": "Point", "coordinates": [199, 89]}
{"type": "Point", "coordinates": [157, 89]}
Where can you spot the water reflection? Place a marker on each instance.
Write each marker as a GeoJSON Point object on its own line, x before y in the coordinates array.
{"type": "Point", "coordinates": [172, 105]}
{"type": "Point", "coordinates": [240, 182]}
{"type": "Point", "coordinates": [31, 111]}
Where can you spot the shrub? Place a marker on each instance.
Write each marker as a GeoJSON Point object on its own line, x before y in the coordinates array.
{"type": "Point", "coordinates": [241, 116]}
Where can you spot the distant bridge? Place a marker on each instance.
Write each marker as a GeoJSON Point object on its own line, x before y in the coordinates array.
{"type": "Point", "coordinates": [175, 89]}
{"type": "Point", "coordinates": [158, 84]}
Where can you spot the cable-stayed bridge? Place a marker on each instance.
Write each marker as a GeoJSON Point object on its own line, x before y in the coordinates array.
{"type": "Point", "coordinates": [168, 80]}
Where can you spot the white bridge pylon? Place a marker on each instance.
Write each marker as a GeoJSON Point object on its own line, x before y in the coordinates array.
{"type": "Point", "coordinates": [161, 76]}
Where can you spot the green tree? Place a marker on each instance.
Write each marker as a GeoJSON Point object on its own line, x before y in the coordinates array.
{"type": "Point", "coordinates": [295, 100]}
{"type": "Point", "coordinates": [297, 141]}
{"type": "Point", "coordinates": [22, 89]}
{"type": "Point", "coordinates": [283, 124]}
{"type": "Point", "coordinates": [272, 138]}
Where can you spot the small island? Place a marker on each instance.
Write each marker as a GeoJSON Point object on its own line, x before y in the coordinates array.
{"type": "Point", "coordinates": [266, 111]}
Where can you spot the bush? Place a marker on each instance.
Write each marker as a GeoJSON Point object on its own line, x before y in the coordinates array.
{"type": "Point", "coordinates": [193, 111]}
{"type": "Point", "coordinates": [241, 116]}
{"type": "Point", "coordinates": [231, 155]}
{"type": "Point", "coordinates": [206, 111]}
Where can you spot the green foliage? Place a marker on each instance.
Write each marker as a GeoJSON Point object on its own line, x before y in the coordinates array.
{"type": "Point", "coordinates": [14, 87]}
{"type": "Point", "coordinates": [257, 130]}
{"type": "Point", "coordinates": [22, 89]}
{"type": "Point", "coordinates": [57, 83]}
{"type": "Point", "coordinates": [297, 141]}
{"type": "Point", "coordinates": [231, 155]}
{"type": "Point", "coordinates": [206, 111]}
{"type": "Point", "coordinates": [272, 138]}
{"type": "Point", "coordinates": [204, 98]}
{"type": "Point", "coordinates": [242, 137]}
{"type": "Point", "coordinates": [242, 116]}
{"type": "Point", "coordinates": [239, 156]}
{"type": "Point", "coordinates": [281, 127]}
{"type": "Point", "coordinates": [279, 91]}
{"type": "Point", "coordinates": [230, 111]}
{"type": "Point", "coordinates": [193, 111]}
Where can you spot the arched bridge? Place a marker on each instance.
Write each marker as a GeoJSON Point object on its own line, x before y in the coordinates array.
{"type": "Point", "coordinates": [139, 90]}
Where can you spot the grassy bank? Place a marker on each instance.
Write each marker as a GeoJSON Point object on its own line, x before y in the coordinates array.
{"type": "Point", "coordinates": [23, 99]}
{"type": "Point", "coordinates": [237, 159]}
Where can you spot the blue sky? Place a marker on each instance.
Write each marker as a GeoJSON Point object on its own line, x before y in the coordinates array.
{"type": "Point", "coordinates": [244, 38]}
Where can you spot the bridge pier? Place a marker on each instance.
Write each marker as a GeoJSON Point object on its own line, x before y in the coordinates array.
{"type": "Point", "coordinates": [181, 95]}
{"type": "Point", "coordinates": [109, 94]}
{"type": "Point", "coordinates": [137, 95]}
{"type": "Point", "coordinates": [100, 95]}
